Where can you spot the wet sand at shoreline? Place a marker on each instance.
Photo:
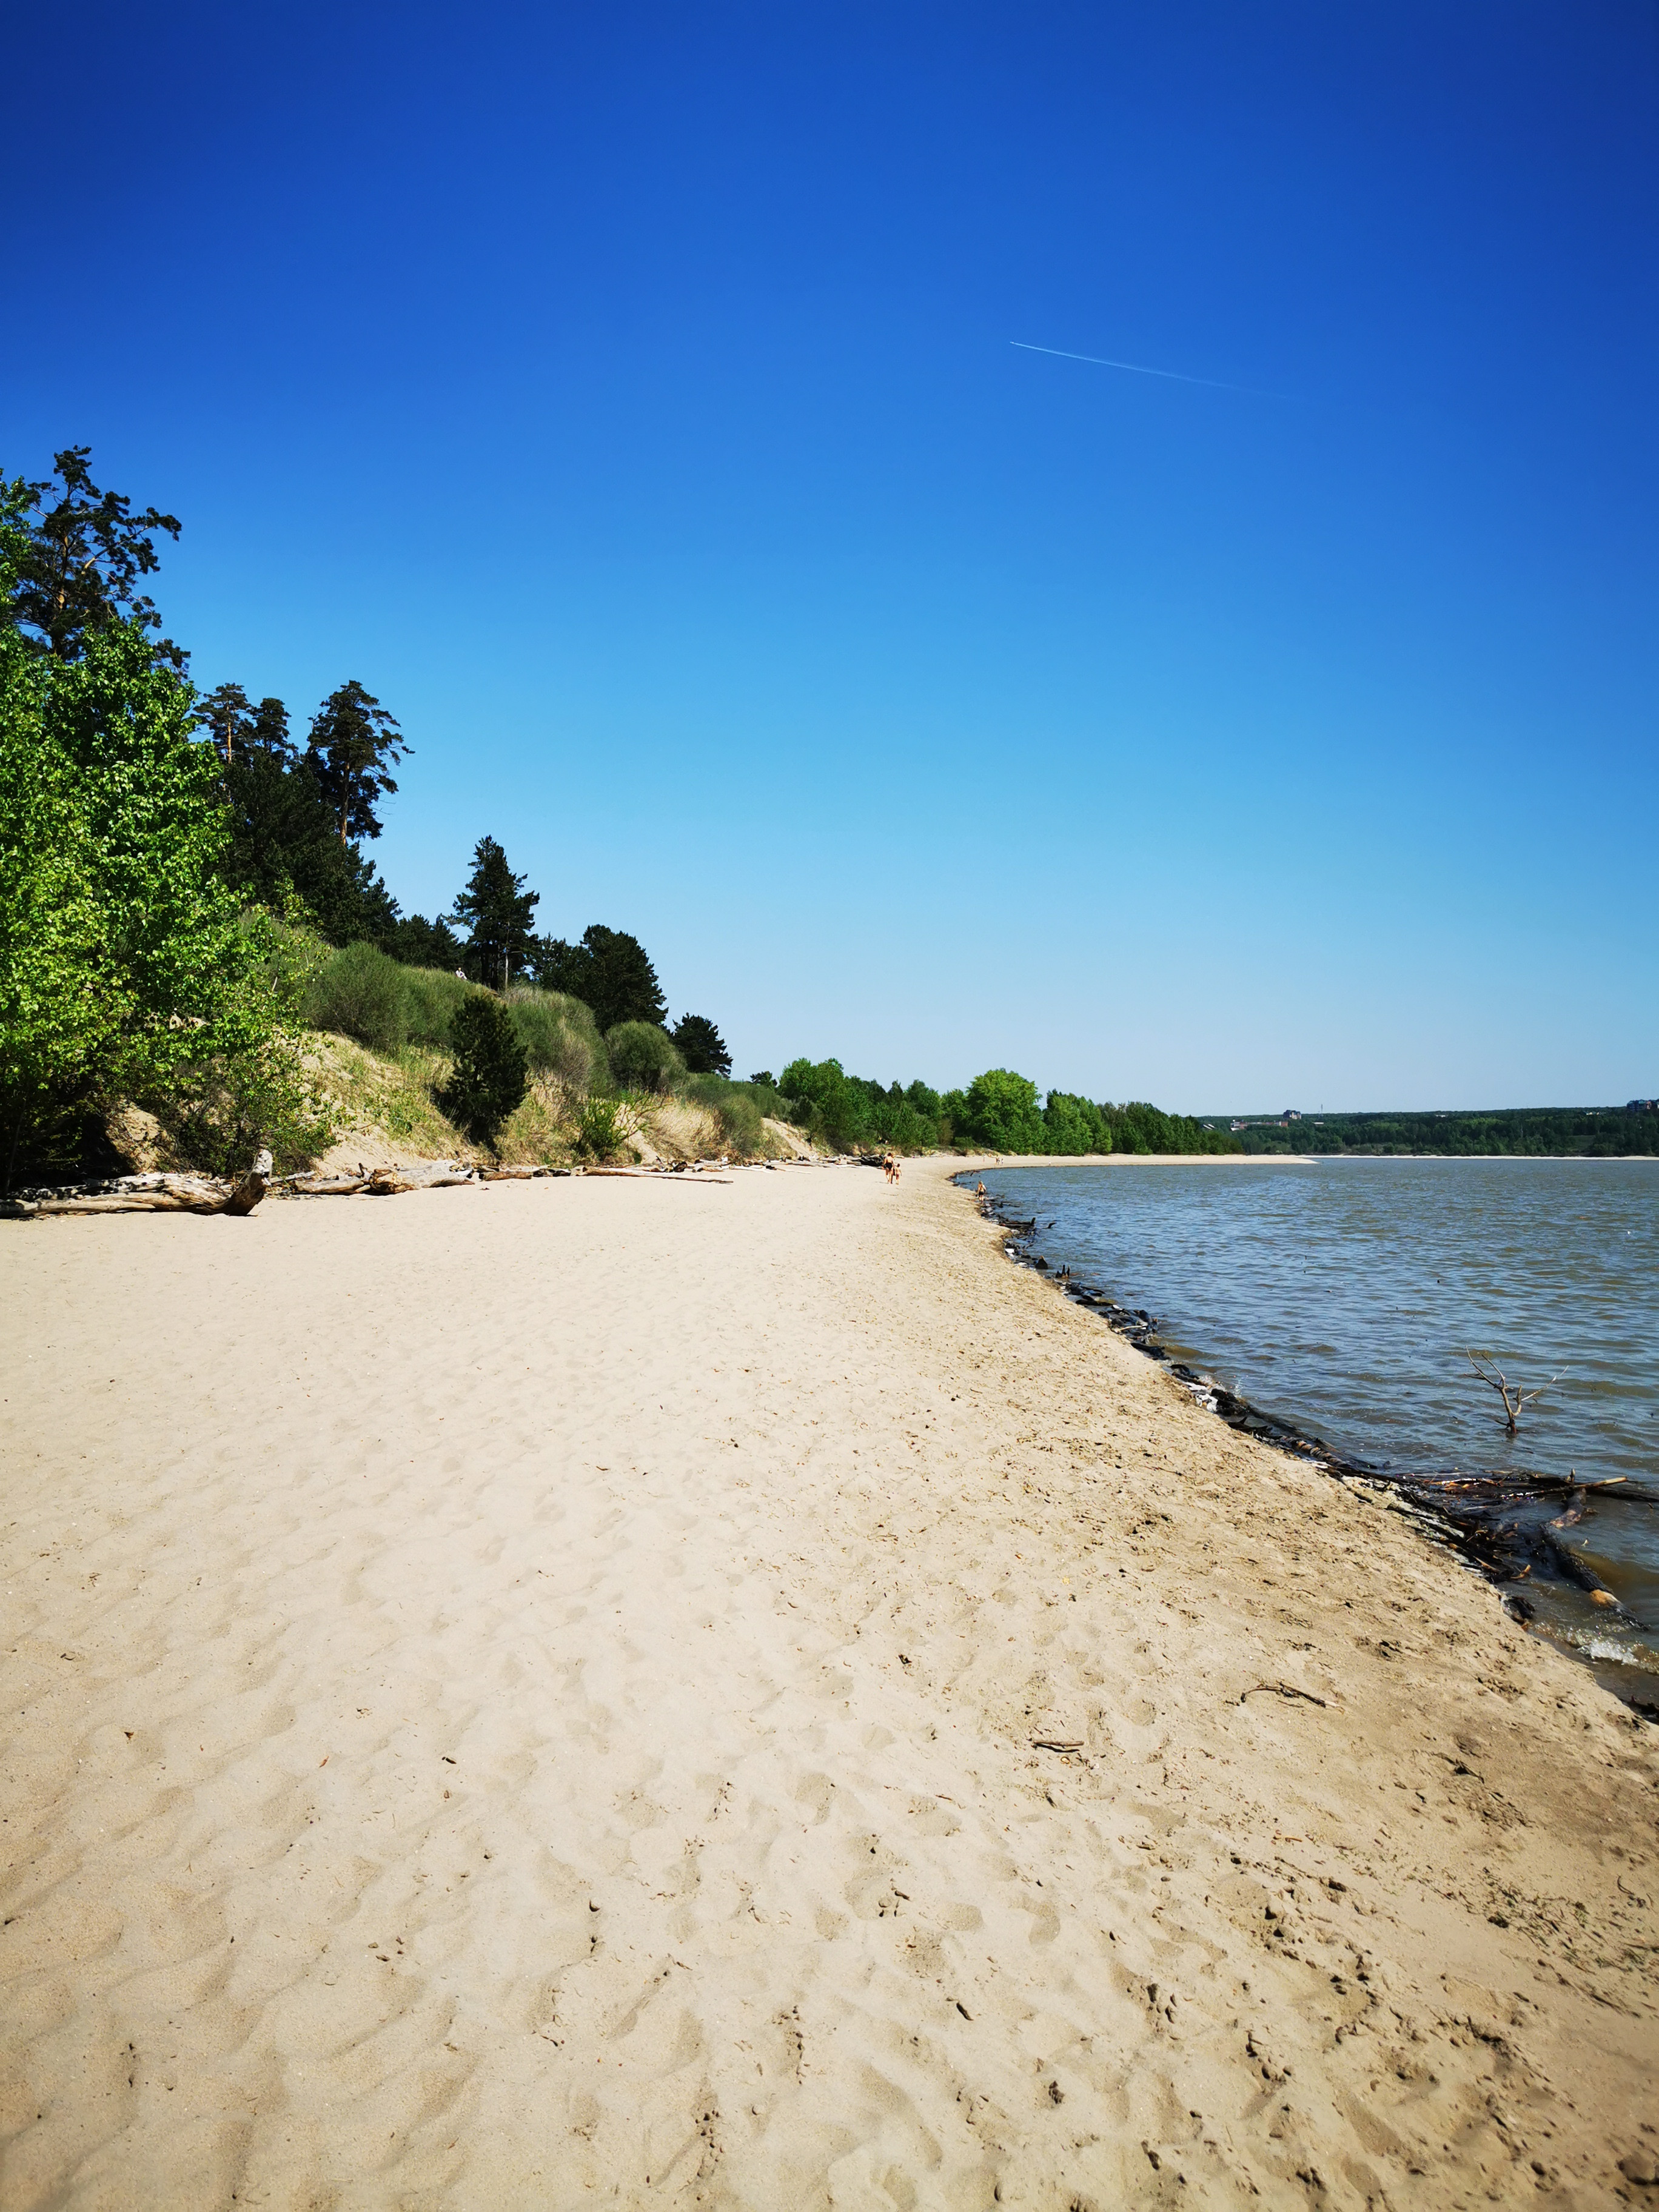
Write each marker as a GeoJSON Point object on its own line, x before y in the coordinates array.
{"type": "Point", "coordinates": [542, 1695]}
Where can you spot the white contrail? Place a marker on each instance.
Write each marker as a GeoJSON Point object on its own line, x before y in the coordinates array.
{"type": "Point", "coordinates": [1138, 368]}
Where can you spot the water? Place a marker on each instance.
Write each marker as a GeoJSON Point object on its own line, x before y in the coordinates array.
{"type": "Point", "coordinates": [1338, 1297]}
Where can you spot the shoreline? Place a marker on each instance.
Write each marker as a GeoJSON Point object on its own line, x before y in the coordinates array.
{"type": "Point", "coordinates": [550, 1690]}
{"type": "Point", "coordinates": [1465, 1512]}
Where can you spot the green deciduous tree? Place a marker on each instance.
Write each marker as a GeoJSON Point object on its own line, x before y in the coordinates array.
{"type": "Point", "coordinates": [1002, 1112]}
{"type": "Point", "coordinates": [490, 1076]}
{"type": "Point", "coordinates": [496, 911]}
{"type": "Point", "coordinates": [60, 1007]}
{"type": "Point", "coordinates": [1139, 1127]}
{"type": "Point", "coordinates": [609, 970]}
{"type": "Point", "coordinates": [1072, 1125]}
{"type": "Point", "coordinates": [353, 741]}
{"type": "Point", "coordinates": [839, 1106]}
{"type": "Point", "coordinates": [152, 986]}
{"type": "Point", "coordinates": [701, 1046]}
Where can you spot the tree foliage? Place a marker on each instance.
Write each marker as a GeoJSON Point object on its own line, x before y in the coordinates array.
{"type": "Point", "coordinates": [283, 852]}
{"type": "Point", "coordinates": [419, 943]}
{"type": "Point", "coordinates": [496, 911]}
{"type": "Point", "coordinates": [352, 742]}
{"type": "Point", "coordinates": [701, 1046]}
{"type": "Point", "coordinates": [60, 1008]}
{"type": "Point", "coordinates": [999, 1112]}
{"type": "Point", "coordinates": [490, 1076]}
{"type": "Point", "coordinates": [81, 561]}
{"type": "Point", "coordinates": [609, 970]}
{"type": "Point", "coordinates": [227, 715]}
{"type": "Point", "coordinates": [150, 985]}
{"type": "Point", "coordinates": [1515, 1132]}
{"type": "Point", "coordinates": [850, 1111]}
{"type": "Point", "coordinates": [1002, 1112]}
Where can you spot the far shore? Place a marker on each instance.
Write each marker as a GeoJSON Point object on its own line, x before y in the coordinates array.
{"type": "Point", "coordinates": [972, 1161]}
{"type": "Point", "coordinates": [545, 1692]}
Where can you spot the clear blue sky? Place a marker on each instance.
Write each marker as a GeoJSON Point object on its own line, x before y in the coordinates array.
{"type": "Point", "coordinates": [625, 395]}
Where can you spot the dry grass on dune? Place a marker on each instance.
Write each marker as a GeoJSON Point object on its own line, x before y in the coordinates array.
{"type": "Point", "coordinates": [385, 1106]}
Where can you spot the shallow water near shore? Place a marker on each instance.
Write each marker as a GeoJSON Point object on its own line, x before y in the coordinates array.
{"type": "Point", "coordinates": [1338, 1297]}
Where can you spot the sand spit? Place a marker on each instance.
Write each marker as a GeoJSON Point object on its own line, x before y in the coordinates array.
{"type": "Point", "coordinates": [532, 1699]}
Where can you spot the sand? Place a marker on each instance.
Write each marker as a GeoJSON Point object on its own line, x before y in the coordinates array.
{"type": "Point", "coordinates": [530, 1697]}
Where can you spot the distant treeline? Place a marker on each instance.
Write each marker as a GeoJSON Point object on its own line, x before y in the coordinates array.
{"type": "Point", "coordinates": [998, 1112]}
{"type": "Point", "coordinates": [1517, 1132]}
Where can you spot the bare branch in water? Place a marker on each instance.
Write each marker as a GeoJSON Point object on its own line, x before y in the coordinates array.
{"type": "Point", "coordinates": [1515, 1399]}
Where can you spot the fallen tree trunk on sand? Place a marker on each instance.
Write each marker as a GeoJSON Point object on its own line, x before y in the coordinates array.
{"type": "Point", "coordinates": [184, 1194]}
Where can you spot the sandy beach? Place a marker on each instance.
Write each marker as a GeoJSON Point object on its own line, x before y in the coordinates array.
{"type": "Point", "coordinates": [625, 1691]}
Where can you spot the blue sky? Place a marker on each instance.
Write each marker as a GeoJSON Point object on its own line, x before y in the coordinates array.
{"type": "Point", "coordinates": [627, 396]}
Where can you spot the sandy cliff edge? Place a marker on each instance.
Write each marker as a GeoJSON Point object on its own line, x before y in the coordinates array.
{"type": "Point", "coordinates": [535, 1696]}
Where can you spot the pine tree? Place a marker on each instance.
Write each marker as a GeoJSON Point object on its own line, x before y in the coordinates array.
{"type": "Point", "coordinates": [491, 1073]}
{"type": "Point", "coordinates": [353, 739]}
{"type": "Point", "coordinates": [701, 1046]}
{"type": "Point", "coordinates": [609, 971]}
{"type": "Point", "coordinates": [81, 561]}
{"type": "Point", "coordinates": [495, 909]}
{"type": "Point", "coordinates": [227, 713]}
{"type": "Point", "coordinates": [267, 733]}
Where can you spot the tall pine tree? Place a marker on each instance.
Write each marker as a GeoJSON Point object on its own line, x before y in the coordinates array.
{"type": "Point", "coordinates": [352, 740]}
{"type": "Point", "coordinates": [495, 910]}
{"type": "Point", "coordinates": [227, 714]}
{"type": "Point", "coordinates": [80, 562]}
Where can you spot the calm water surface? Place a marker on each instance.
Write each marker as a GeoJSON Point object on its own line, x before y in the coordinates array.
{"type": "Point", "coordinates": [1339, 1296]}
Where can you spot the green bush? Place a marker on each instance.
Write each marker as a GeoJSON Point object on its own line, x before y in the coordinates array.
{"type": "Point", "coordinates": [490, 1076]}
{"type": "Point", "coordinates": [706, 1089]}
{"type": "Point", "coordinates": [361, 994]}
{"type": "Point", "coordinates": [217, 1115]}
{"type": "Point", "coordinates": [600, 1134]}
{"type": "Point", "coordinates": [559, 1037]}
{"type": "Point", "coordinates": [741, 1124]}
{"type": "Point", "coordinates": [733, 1106]}
{"type": "Point", "coordinates": [431, 1000]}
{"type": "Point", "coordinates": [767, 1096]}
{"type": "Point", "coordinates": [643, 1058]}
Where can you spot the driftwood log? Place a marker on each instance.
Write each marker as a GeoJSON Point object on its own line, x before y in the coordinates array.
{"type": "Point", "coordinates": [185, 1194]}
{"type": "Point", "coordinates": [248, 1189]}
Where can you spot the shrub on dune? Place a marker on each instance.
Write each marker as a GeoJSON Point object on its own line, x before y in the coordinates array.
{"type": "Point", "coordinates": [738, 1114]}
{"type": "Point", "coordinates": [559, 1037]}
{"type": "Point", "coordinates": [431, 998]}
{"type": "Point", "coordinates": [361, 994]}
{"type": "Point", "coordinates": [643, 1057]}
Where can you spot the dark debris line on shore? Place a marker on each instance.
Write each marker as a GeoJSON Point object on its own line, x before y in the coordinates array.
{"type": "Point", "coordinates": [1504, 1528]}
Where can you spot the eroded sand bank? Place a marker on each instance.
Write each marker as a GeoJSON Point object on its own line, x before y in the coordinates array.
{"type": "Point", "coordinates": [526, 1696]}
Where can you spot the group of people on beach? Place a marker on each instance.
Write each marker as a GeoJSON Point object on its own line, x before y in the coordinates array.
{"type": "Point", "coordinates": [890, 1167]}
